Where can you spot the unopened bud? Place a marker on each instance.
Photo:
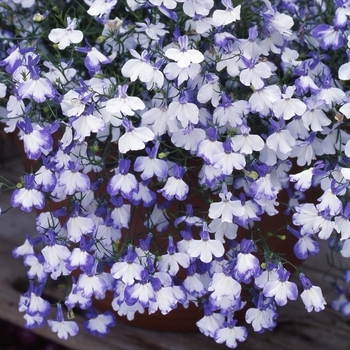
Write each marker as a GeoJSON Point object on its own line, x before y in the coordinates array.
{"type": "Point", "coordinates": [339, 117]}
{"type": "Point", "coordinates": [101, 39]}
{"type": "Point", "coordinates": [38, 17]}
{"type": "Point", "coordinates": [162, 155]}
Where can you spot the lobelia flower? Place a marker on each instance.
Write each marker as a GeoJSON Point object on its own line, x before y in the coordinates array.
{"type": "Point", "coordinates": [76, 297]}
{"type": "Point", "coordinates": [182, 55]}
{"type": "Point", "coordinates": [230, 334]}
{"type": "Point", "coordinates": [34, 321]}
{"type": "Point", "coordinates": [210, 91]}
{"type": "Point", "coordinates": [123, 104]}
{"type": "Point", "coordinates": [305, 150]}
{"type": "Point", "coordinates": [254, 73]}
{"type": "Point", "coordinates": [192, 283]}
{"type": "Point", "coordinates": [281, 289]}
{"type": "Point", "coordinates": [80, 257]}
{"type": "Point", "coordinates": [128, 271]}
{"type": "Point", "coordinates": [53, 253]}
{"type": "Point", "coordinates": [227, 208]}
{"type": "Point", "coordinates": [262, 100]}
{"type": "Point", "coordinates": [15, 108]}
{"type": "Point", "coordinates": [249, 46]}
{"type": "Point", "coordinates": [170, 262]}
{"type": "Point", "coordinates": [281, 141]}
{"type": "Point", "coordinates": [227, 160]}
{"type": "Point", "coordinates": [37, 305]}
{"type": "Point", "coordinates": [36, 140]}
{"type": "Point", "coordinates": [61, 327]}
{"type": "Point", "coordinates": [263, 316]}
{"type": "Point", "coordinates": [139, 67]}
{"type": "Point", "coordinates": [172, 71]}
{"type": "Point", "coordinates": [15, 57]}
{"type": "Point", "coordinates": [165, 300]}
{"type": "Point", "coordinates": [91, 283]}
{"type": "Point", "coordinates": [140, 292]}
{"type": "Point", "coordinates": [251, 212]}
{"type": "Point", "coordinates": [246, 143]}
{"type": "Point", "coordinates": [68, 36]}
{"type": "Point", "coordinates": [184, 111]}
{"type": "Point", "coordinates": [175, 186]}
{"type": "Point", "coordinates": [27, 247]}
{"type": "Point", "coordinates": [224, 17]}
{"type": "Point", "coordinates": [224, 285]}
{"type": "Point", "coordinates": [73, 104]}
{"type": "Point", "coordinates": [305, 82]}
{"type": "Point", "coordinates": [170, 4]}
{"type": "Point", "coordinates": [25, 298]}
{"type": "Point", "coordinates": [209, 147]}
{"type": "Point", "coordinates": [31, 321]}
{"type": "Point", "coordinates": [72, 180]}
{"type": "Point", "coordinates": [87, 123]}
{"type": "Point", "coordinates": [247, 265]}
{"type": "Point", "coordinates": [188, 138]}
{"type": "Point", "coordinates": [205, 248]}
{"type": "Point", "coordinates": [37, 267]}
{"type": "Point", "coordinates": [79, 225]}
{"type": "Point", "coordinates": [260, 183]}
{"type": "Point", "coordinates": [94, 58]}
{"type": "Point", "coordinates": [303, 180]}
{"type": "Point", "coordinates": [342, 223]}
{"type": "Point", "coordinates": [101, 7]}
{"type": "Point", "coordinates": [211, 321]}
{"type": "Point", "coordinates": [329, 35]}
{"type": "Point", "coordinates": [190, 219]}
{"type": "Point", "coordinates": [99, 323]}
{"type": "Point", "coordinates": [45, 176]}
{"type": "Point", "coordinates": [29, 196]}
{"type": "Point", "coordinates": [230, 112]}
{"type": "Point", "coordinates": [134, 139]}
{"type": "Point", "coordinates": [192, 7]}
{"type": "Point", "coordinates": [55, 75]}
{"type": "Point", "coordinates": [123, 181]}
{"type": "Point", "coordinates": [3, 88]}
{"type": "Point", "coordinates": [144, 195]}
{"type": "Point", "coordinates": [345, 249]}
{"type": "Point", "coordinates": [312, 295]}
{"type": "Point", "coordinates": [287, 107]}
{"type": "Point", "coordinates": [121, 213]}
{"type": "Point", "coordinates": [330, 94]}
{"type": "Point", "coordinates": [153, 31]}
{"type": "Point", "coordinates": [151, 166]}
{"type": "Point", "coordinates": [329, 199]}
{"type": "Point", "coordinates": [324, 225]}
{"type": "Point", "coordinates": [223, 229]}
{"type": "Point", "coordinates": [306, 244]}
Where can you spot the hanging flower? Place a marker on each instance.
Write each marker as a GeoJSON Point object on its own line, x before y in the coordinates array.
{"type": "Point", "coordinates": [61, 327]}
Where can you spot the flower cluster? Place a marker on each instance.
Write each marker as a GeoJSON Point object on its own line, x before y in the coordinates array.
{"type": "Point", "coordinates": [161, 134]}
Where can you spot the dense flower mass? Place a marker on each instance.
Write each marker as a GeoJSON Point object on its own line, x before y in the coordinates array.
{"type": "Point", "coordinates": [162, 134]}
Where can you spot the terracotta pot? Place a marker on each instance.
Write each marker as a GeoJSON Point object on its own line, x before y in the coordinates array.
{"type": "Point", "coordinates": [178, 320]}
